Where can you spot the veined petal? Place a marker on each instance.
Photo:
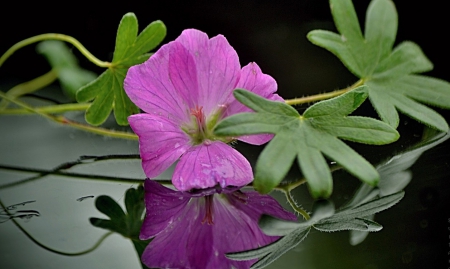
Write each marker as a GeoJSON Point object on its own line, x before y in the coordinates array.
{"type": "Point", "coordinates": [161, 142]}
{"type": "Point", "coordinates": [163, 205]}
{"type": "Point", "coordinates": [209, 164]}
{"type": "Point", "coordinates": [252, 79]}
{"type": "Point", "coordinates": [170, 248]}
{"type": "Point", "coordinates": [234, 231]}
{"type": "Point", "coordinates": [183, 73]}
{"type": "Point", "coordinates": [218, 67]}
{"type": "Point", "coordinates": [149, 86]}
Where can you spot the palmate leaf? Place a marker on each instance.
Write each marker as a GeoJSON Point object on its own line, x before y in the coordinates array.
{"type": "Point", "coordinates": [127, 224]}
{"type": "Point", "coordinates": [107, 90]}
{"type": "Point", "coordinates": [308, 138]}
{"type": "Point", "coordinates": [390, 74]}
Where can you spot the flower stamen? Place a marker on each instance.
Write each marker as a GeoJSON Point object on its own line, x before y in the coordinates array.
{"type": "Point", "coordinates": [208, 210]}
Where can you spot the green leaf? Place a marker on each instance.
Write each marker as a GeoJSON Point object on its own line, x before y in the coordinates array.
{"type": "Point", "coordinates": [274, 226]}
{"type": "Point", "coordinates": [107, 91]}
{"type": "Point", "coordinates": [368, 208]}
{"type": "Point", "coordinates": [129, 224]}
{"type": "Point", "coordinates": [70, 75]}
{"type": "Point", "coordinates": [308, 138]}
{"type": "Point", "coordinates": [356, 224]}
{"type": "Point", "coordinates": [389, 74]}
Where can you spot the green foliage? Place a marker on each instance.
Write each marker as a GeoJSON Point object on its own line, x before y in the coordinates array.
{"type": "Point", "coordinates": [390, 74]}
{"type": "Point", "coordinates": [70, 75]}
{"type": "Point", "coordinates": [308, 138]}
{"type": "Point", "coordinates": [323, 219]}
{"type": "Point", "coordinates": [107, 89]}
{"type": "Point", "coordinates": [128, 225]}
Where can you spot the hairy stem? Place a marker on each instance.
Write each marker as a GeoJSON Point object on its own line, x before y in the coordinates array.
{"type": "Point", "coordinates": [294, 205]}
{"type": "Point", "coordinates": [53, 36]}
{"type": "Point", "coordinates": [322, 96]}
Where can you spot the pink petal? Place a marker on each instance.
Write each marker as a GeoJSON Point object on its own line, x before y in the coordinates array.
{"type": "Point", "coordinates": [183, 74]}
{"type": "Point", "coordinates": [218, 67]}
{"type": "Point", "coordinates": [209, 164]}
{"type": "Point", "coordinates": [170, 248]}
{"type": "Point", "coordinates": [149, 86]}
{"type": "Point", "coordinates": [189, 242]}
{"type": "Point", "coordinates": [161, 142]}
{"type": "Point", "coordinates": [252, 79]}
{"type": "Point", "coordinates": [234, 231]}
{"type": "Point", "coordinates": [163, 206]}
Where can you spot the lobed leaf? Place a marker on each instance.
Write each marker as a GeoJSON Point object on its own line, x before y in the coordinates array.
{"type": "Point", "coordinates": [308, 138]}
{"type": "Point", "coordinates": [107, 91]}
{"type": "Point", "coordinates": [387, 73]}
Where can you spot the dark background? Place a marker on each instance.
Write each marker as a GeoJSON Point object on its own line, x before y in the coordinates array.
{"type": "Point", "coordinates": [271, 33]}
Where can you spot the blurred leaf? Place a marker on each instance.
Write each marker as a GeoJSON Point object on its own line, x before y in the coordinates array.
{"type": "Point", "coordinates": [308, 138]}
{"type": "Point", "coordinates": [388, 73]}
{"type": "Point", "coordinates": [70, 75]}
{"type": "Point", "coordinates": [107, 90]}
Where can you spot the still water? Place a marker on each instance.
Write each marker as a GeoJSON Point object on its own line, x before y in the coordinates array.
{"type": "Point", "coordinates": [55, 209]}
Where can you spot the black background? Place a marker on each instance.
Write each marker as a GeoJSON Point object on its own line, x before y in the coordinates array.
{"type": "Point", "coordinates": [271, 33]}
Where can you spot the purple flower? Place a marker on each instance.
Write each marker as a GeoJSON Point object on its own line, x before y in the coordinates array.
{"type": "Point", "coordinates": [186, 88]}
{"type": "Point", "coordinates": [195, 231]}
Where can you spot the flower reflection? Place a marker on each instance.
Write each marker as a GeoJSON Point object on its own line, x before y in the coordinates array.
{"type": "Point", "coordinates": [185, 89]}
{"type": "Point", "coordinates": [196, 230]}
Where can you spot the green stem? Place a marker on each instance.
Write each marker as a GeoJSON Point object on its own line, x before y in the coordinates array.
{"type": "Point", "coordinates": [96, 245]}
{"type": "Point", "coordinates": [54, 109]}
{"type": "Point", "coordinates": [294, 205]}
{"type": "Point", "coordinates": [77, 125]}
{"type": "Point", "coordinates": [53, 36]}
{"type": "Point", "coordinates": [29, 87]}
{"type": "Point", "coordinates": [322, 96]}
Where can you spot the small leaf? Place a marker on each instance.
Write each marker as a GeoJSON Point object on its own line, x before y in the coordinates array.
{"type": "Point", "coordinates": [107, 91]}
{"type": "Point", "coordinates": [308, 138]}
{"type": "Point", "coordinates": [274, 226]}
{"type": "Point", "coordinates": [367, 209]}
{"type": "Point", "coordinates": [357, 224]}
{"type": "Point", "coordinates": [128, 225]}
{"type": "Point", "coordinates": [109, 207]}
{"type": "Point", "coordinates": [388, 73]}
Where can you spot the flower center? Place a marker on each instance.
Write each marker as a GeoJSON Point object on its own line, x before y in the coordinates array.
{"type": "Point", "coordinates": [200, 127]}
{"type": "Point", "coordinates": [208, 210]}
